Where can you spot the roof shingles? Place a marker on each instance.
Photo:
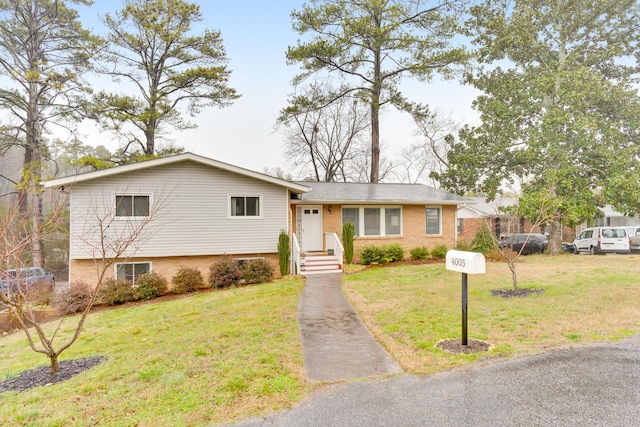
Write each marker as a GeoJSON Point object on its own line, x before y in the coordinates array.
{"type": "Point", "coordinates": [339, 192]}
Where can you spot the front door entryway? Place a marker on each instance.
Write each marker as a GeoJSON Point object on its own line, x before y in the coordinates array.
{"type": "Point", "coordinates": [311, 228]}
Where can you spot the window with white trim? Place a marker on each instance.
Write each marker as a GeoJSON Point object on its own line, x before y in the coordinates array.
{"type": "Point", "coordinates": [373, 221]}
{"type": "Point", "coordinates": [132, 205]}
{"type": "Point", "coordinates": [245, 206]}
{"type": "Point", "coordinates": [131, 270]}
{"type": "Point", "coordinates": [433, 220]}
{"type": "Point", "coordinates": [352, 215]}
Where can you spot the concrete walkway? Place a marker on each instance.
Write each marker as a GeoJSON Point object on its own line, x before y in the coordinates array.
{"type": "Point", "coordinates": [336, 344]}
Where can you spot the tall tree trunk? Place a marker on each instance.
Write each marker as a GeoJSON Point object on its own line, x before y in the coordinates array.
{"type": "Point", "coordinates": [375, 118]}
{"type": "Point", "coordinates": [150, 139]}
{"type": "Point", "coordinates": [37, 246]}
{"type": "Point", "coordinates": [555, 237]}
{"type": "Point", "coordinates": [375, 144]}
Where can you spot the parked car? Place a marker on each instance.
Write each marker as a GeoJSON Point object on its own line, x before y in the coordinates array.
{"type": "Point", "coordinates": [26, 278]}
{"type": "Point", "coordinates": [600, 240]}
{"type": "Point", "coordinates": [568, 247]}
{"type": "Point", "coordinates": [525, 243]}
{"type": "Point", "coordinates": [634, 237]}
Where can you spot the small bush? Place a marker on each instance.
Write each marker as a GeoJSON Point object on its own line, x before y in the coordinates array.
{"type": "Point", "coordinates": [225, 272]}
{"type": "Point", "coordinates": [40, 293]}
{"type": "Point", "coordinates": [392, 252]}
{"type": "Point", "coordinates": [187, 279]}
{"type": "Point", "coordinates": [483, 241]}
{"type": "Point", "coordinates": [116, 291]}
{"type": "Point", "coordinates": [284, 252]}
{"type": "Point", "coordinates": [150, 286]}
{"type": "Point", "coordinates": [462, 245]}
{"type": "Point", "coordinates": [348, 236]}
{"type": "Point", "coordinates": [371, 254]}
{"type": "Point", "coordinates": [73, 300]}
{"type": "Point", "coordinates": [439, 252]}
{"type": "Point", "coordinates": [419, 253]}
{"type": "Point", "coordinates": [495, 255]}
{"type": "Point", "coordinates": [257, 271]}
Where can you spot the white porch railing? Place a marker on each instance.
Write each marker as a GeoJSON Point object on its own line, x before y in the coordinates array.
{"type": "Point", "coordinates": [332, 244]}
{"type": "Point", "coordinates": [295, 255]}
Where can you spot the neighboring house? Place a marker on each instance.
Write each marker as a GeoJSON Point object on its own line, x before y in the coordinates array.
{"type": "Point", "coordinates": [412, 215]}
{"type": "Point", "coordinates": [472, 217]}
{"type": "Point", "coordinates": [207, 208]}
{"type": "Point", "coordinates": [611, 218]}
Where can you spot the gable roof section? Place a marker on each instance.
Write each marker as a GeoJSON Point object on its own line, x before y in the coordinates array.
{"type": "Point", "coordinates": [363, 193]}
{"type": "Point", "coordinates": [105, 173]}
{"type": "Point", "coordinates": [484, 208]}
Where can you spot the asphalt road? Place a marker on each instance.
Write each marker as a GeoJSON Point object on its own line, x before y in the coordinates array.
{"type": "Point", "coordinates": [593, 385]}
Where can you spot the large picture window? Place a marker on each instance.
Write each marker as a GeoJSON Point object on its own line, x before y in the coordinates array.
{"type": "Point", "coordinates": [132, 205]}
{"type": "Point", "coordinates": [433, 219]}
{"type": "Point", "coordinates": [131, 270]}
{"type": "Point", "coordinates": [374, 221]}
{"type": "Point", "coordinates": [245, 206]}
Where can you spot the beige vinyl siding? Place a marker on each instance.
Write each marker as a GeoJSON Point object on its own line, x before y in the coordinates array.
{"type": "Point", "coordinates": [194, 219]}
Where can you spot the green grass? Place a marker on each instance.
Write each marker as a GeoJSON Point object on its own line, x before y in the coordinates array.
{"type": "Point", "coordinates": [225, 355]}
{"type": "Point", "coordinates": [409, 309]}
{"type": "Point", "coordinates": [197, 360]}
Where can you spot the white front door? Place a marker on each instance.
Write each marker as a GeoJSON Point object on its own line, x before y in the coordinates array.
{"type": "Point", "coordinates": [311, 228]}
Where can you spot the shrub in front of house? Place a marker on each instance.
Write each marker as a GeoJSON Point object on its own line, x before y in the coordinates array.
{"type": "Point", "coordinates": [150, 286]}
{"type": "Point", "coordinates": [439, 252]}
{"type": "Point", "coordinates": [225, 272]}
{"type": "Point", "coordinates": [392, 252]}
{"type": "Point", "coordinates": [187, 279]}
{"type": "Point", "coordinates": [257, 271]}
{"type": "Point", "coordinates": [371, 254]}
{"type": "Point", "coordinates": [73, 300]}
{"type": "Point", "coordinates": [284, 252]}
{"type": "Point", "coordinates": [40, 293]}
{"type": "Point", "coordinates": [348, 236]}
{"type": "Point", "coordinates": [116, 291]}
{"type": "Point", "coordinates": [483, 241]}
{"type": "Point", "coordinates": [462, 245]}
{"type": "Point", "coordinates": [419, 253]}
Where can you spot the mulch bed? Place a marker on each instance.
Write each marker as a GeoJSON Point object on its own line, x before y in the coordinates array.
{"type": "Point", "coordinates": [522, 293]}
{"type": "Point", "coordinates": [41, 376]}
{"type": "Point", "coordinates": [455, 346]}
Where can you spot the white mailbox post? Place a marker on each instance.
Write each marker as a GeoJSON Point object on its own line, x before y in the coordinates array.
{"type": "Point", "coordinates": [466, 263]}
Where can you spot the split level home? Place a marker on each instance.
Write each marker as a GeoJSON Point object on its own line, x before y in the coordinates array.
{"type": "Point", "coordinates": [197, 209]}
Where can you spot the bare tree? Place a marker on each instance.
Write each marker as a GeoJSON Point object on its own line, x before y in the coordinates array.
{"type": "Point", "coordinates": [361, 164]}
{"type": "Point", "coordinates": [109, 240]}
{"type": "Point", "coordinates": [511, 216]}
{"type": "Point", "coordinates": [321, 136]}
{"type": "Point", "coordinates": [418, 161]}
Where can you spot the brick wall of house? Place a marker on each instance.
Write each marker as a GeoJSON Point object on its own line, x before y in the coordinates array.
{"type": "Point", "coordinates": [85, 270]}
{"type": "Point", "coordinates": [502, 226]}
{"type": "Point", "coordinates": [413, 224]}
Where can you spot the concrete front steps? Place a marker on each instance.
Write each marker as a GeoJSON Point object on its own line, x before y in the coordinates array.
{"type": "Point", "coordinates": [319, 263]}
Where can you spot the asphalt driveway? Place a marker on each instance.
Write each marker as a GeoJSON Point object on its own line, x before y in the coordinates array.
{"type": "Point", "coordinates": [592, 385]}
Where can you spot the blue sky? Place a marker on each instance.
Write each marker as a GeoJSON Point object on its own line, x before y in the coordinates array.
{"type": "Point", "coordinates": [256, 34]}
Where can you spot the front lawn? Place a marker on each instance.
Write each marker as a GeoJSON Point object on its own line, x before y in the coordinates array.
{"type": "Point", "coordinates": [409, 309]}
{"type": "Point", "coordinates": [201, 359]}
{"type": "Point", "coordinates": [230, 355]}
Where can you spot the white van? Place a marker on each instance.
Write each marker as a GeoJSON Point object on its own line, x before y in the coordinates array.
{"type": "Point", "coordinates": [600, 240]}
